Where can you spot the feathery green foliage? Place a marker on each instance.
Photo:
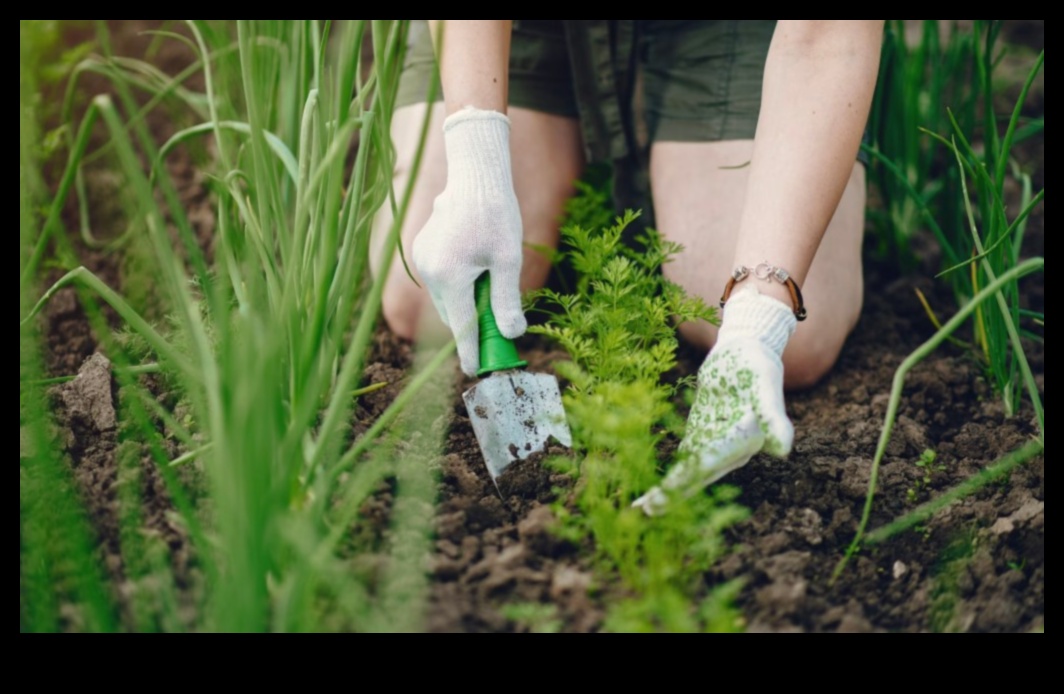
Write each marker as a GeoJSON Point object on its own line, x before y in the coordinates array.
{"type": "Point", "coordinates": [618, 328]}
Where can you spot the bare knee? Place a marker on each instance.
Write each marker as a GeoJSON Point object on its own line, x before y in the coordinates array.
{"type": "Point", "coordinates": [815, 348]}
{"type": "Point", "coordinates": [807, 361]}
{"type": "Point", "coordinates": [701, 336]}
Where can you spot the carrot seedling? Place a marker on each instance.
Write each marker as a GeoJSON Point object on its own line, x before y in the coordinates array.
{"type": "Point", "coordinates": [618, 327]}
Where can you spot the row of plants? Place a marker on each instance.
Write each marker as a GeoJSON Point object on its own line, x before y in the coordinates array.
{"type": "Point", "coordinates": [934, 99]}
{"type": "Point", "coordinates": [617, 326]}
{"type": "Point", "coordinates": [264, 339]}
{"type": "Point", "coordinates": [943, 161]}
{"type": "Point", "coordinates": [264, 343]}
{"type": "Point", "coordinates": [936, 137]}
{"type": "Point", "coordinates": [258, 343]}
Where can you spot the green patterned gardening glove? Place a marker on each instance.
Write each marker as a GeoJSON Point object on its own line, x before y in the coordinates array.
{"type": "Point", "coordinates": [739, 409]}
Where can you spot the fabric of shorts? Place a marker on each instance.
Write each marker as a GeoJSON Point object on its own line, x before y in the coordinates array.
{"type": "Point", "coordinates": [700, 78]}
{"type": "Point", "coordinates": [630, 83]}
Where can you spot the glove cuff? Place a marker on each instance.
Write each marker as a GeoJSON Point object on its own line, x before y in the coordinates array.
{"type": "Point", "coordinates": [749, 314]}
{"type": "Point", "coordinates": [478, 152]}
{"type": "Point", "coordinates": [470, 114]}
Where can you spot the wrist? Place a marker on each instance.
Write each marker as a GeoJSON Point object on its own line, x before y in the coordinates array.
{"type": "Point", "coordinates": [478, 153]}
{"type": "Point", "coordinates": [769, 274]}
{"type": "Point", "coordinates": [776, 291]}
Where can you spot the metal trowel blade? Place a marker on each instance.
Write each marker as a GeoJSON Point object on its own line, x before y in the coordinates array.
{"type": "Point", "coordinates": [514, 415]}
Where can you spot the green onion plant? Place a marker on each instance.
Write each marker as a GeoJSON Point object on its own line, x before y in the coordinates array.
{"type": "Point", "coordinates": [268, 335]}
{"type": "Point", "coordinates": [937, 139]}
{"type": "Point", "coordinates": [918, 81]}
{"type": "Point", "coordinates": [990, 293]}
{"type": "Point", "coordinates": [618, 328]}
{"type": "Point", "coordinates": [56, 558]}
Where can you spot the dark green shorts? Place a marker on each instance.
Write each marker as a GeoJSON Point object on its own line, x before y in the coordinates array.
{"type": "Point", "coordinates": [630, 82]}
{"type": "Point", "coordinates": [699, 80]}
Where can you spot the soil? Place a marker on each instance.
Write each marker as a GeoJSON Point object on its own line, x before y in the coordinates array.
{"type": "Point", "coordinates": [805, 511]}
{"type": "Point", "coordinates": [976, 566]}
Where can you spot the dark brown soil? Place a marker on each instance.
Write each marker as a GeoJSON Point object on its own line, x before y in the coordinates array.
{"type": "Point", "coordinates": [496, 547]}
{"type": "Point", "coordinates": [806, 510]}
{"type": "Point", "coordinates": [494, 544]}
{"type": "Point", "coordinates": [977, 566]}
{"type": "Point", "coordinates": [88, 432]}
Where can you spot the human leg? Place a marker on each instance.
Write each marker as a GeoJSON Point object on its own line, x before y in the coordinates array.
{"type": "Point", "coordinates": [818, 82]}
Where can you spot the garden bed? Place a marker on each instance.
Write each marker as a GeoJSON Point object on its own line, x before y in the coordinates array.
{"type": "Point", "coordinates": [976, 566]}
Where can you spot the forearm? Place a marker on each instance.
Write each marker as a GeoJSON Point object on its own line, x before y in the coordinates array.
{"type": "Point", "coordinates": [819, 80]}
{"type": "Point", "coordinates": [474, 58]}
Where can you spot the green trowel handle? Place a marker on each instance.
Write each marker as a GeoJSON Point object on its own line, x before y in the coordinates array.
{"type": "Point", "coordinates": [496, 352]}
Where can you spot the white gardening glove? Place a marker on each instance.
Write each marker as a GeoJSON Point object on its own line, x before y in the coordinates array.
{"type": "Point", "coordinates": [739, 409]}
{"type": "Point", "coordinates": [475, 228]}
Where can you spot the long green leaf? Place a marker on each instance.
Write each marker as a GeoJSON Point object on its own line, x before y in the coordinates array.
{"type": "Point", "coordinates": [1010, 134]}
{"type": "Point", "coordinates": [276, 145]}
{"type": "Point", "coordinates": [991, 291]}
{"type": "Point", "coordinates": [82, 277]}
{"type": "Point", "coordinates": [1007, 236]}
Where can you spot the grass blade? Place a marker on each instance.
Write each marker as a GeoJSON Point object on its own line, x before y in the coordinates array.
{"type": "Point", "coordinates": [1007, 236]}
{"type": "Point", "coordinates": [82, 277]}
{"type": "Point", "coordinates": [1010, 134]}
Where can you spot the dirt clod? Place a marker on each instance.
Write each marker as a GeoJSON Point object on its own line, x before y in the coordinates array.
{"type": "Point", "coordinates": [88, 399]}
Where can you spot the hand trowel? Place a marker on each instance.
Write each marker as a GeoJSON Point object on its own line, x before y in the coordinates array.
{"type": "Point", "coordinates": [514, 413]}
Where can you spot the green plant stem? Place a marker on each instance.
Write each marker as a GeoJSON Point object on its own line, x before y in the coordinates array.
{"type": "Point", "coordinates": [276, 144]}
{"type": "Point", "coordinates": [1003, 307]}
{"type": "Point", "coordinates": [370, 389]}
{"type": "Point", "coordinates": [961, 491]}
{"type": "Point", "coordinates": [352, 365]}
{"type": "Point", "coordinates": [77, 152]}
{"type": "Point", "coordinates": [1022, 270]}
{"type": "Point", "coordinates": [172, 87]}
{"type": "Point", "coordinates": [82, 277]}
{"type": "Point", "coordinates": [208, 78]}
{"type": "Point", "coordinates": [1007, 236]}
{"type": "Point", "coordinates": [191, 455]}
{"type": "Point", "coordinates": [1010, 134]}
{"type": "Point", "coordinates": [130, 370]}
{"type": "Point", "coordinates": [204, 370]}
{"type": "Point", "coordinates": [929, 216]}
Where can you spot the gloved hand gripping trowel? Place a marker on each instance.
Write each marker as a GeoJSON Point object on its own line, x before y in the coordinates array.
{"type": "Point", "coordinates": [514, 413]}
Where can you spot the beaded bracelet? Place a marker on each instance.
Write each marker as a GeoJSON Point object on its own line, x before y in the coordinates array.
{"type": "Point", "coordinates": [766, 273]}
